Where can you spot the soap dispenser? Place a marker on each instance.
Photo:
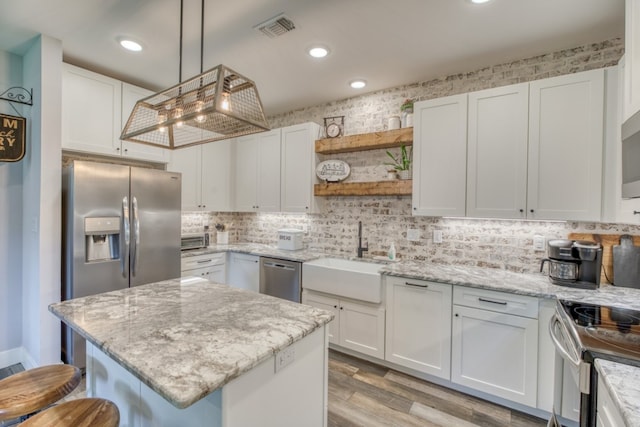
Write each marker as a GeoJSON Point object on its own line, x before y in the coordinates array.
{"type": "Point", "coordinates": [392, 252]}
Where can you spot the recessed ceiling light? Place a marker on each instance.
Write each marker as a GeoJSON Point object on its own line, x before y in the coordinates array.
{"type": "Point", "coordinates": [129, 44]}
{"type": "Point", "coordinates": [318, 51]}
{"type": "Point", "coordinates": [358, 84]}
{"type": "Point", "coordinates": [479, 1]}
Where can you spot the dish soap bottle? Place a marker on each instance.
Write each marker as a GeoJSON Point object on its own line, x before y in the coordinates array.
{"type": "Point", "coordinates": [392, 252]}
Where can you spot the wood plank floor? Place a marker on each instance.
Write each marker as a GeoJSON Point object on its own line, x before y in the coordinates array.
{"type": "Point", "coordinates": [365, 394]}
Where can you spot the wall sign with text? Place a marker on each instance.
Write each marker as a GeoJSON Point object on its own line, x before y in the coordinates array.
{"type": "Point", "coordinates": [12, 138]}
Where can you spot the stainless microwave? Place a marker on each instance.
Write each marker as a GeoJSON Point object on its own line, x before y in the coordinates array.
{"type": "Point", "coordinates": [631, 157]}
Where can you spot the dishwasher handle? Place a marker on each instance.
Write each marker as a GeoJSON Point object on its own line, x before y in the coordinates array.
{"type": "Point", "coordinates": [271, 264]}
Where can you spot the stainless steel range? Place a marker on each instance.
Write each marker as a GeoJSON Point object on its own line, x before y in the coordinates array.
{"type": "Point", "coordinates": [583, 332]}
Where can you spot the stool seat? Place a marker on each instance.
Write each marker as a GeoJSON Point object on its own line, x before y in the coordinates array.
{"type": "Point", "coordinates": [29, 391]}
{"type": "Point", "coordinates": [86, 412]}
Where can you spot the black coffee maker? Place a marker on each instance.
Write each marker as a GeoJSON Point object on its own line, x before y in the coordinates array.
{"type": "Point", "coordinates": [575, 263]}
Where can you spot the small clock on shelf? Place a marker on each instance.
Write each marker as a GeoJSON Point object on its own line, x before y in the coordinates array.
{"type": "Point", "coordinates": [333, 126]}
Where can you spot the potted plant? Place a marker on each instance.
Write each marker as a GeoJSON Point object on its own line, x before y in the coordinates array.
{"type": "Point", "coordinates": [402, 163]}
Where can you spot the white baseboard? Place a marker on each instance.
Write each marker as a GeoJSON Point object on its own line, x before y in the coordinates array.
{"type": "Point", "coordinates": [17, 355]}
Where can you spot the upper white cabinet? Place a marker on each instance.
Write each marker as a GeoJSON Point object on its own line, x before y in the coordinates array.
{"type": "Point", "coordinates": [566, 117]}
{"type": "Point", "coordinates": [497, 152]}
{"type": "Point", "coordinates": [130, 95]}
{"type": "Point", "coordinates": [91, 111]}
{"type": "Point", "coordinates": [95, 109]}
{"type": "Point", "coordinates": [298, 168]}
{"type": "Point", "coordinates": [631, 97]}
{"type": "Point", "coordinates": [206, 175]}
{"type": "Point", "coordinates": [439, 156]}
{"type": "Point", "coordinates": [257, 172]}
{"type": "Point", "coordinates": [418, 325]}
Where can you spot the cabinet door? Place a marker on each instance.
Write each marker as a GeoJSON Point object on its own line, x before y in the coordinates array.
{"type": "Point", "coordinates": [362, 328]}
{"type": "Point", "coordinates": [418, 333]}
{"type": "Point", "coordinates": [329, 304]}
{"type": "Point", "coordinates": [440, 156]}
{"type": "Point", "coordinates": [608, 414]}
{"type": "Point", "coordinates": [631, 97]}
{"type": "Point", "coordinates": [268, 184]}
{"type": "Point", "coordinates": [130, 95]}
{"type": "Point", "coordinates": [246, 174]}
{"type": "Point", "coordinates": [497, 152]}
{"type": "Point", "coordinates": [187, 162]}
{"type": "Point", "coordinates": [495, 353]}
{"type": "Point", "coordinates": [298, 167]}
{"type": "Point", "coordinates": [565, 147]}
{"type": "Point", "coordinates": [91, 111]}
{"type": "Point", "coordinates": [216, 176]}
{"type": "Point", "coordinates": [244, 271]}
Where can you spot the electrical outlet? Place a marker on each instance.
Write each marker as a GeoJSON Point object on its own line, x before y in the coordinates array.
{"type": "Point", "coordinates": [437, 236]}
{"type": "Point", "coordinates": [413, 234]}
{"type": "Point", "coordinates": [285, 357]}
{"type": "Point", "coordinates": [538, 243]}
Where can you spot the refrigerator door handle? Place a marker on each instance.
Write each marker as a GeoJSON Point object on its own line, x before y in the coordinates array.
{"type": "Point", "coordinates": [127, 235]}
{"type": "Point", "coordinates": [136, 234]}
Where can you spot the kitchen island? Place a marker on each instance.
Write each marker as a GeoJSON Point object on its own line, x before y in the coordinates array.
{"type": "Point", "coordinates": [190, 352]}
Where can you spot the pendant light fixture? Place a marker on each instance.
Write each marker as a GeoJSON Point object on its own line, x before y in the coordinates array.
{"type": "Point", "coordinates": [214, 105]}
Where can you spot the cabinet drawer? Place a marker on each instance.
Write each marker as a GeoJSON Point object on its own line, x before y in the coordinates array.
{"type": "Point", "coordinates": [202, 261]}
{"type": "Point", "coordinates": [501, 302]}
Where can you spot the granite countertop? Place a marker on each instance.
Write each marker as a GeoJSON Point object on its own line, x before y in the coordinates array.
{"type": "Point", "coordinates": [623, 383]}
{"type": "Point", "coordinates": [185, 338]}
{"type": "Point", "coordinates": [301, 255]}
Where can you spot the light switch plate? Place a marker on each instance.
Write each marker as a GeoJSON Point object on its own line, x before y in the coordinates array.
{"type": "Point", "coordinates": [413, 234]}
{"type": "Point", "coordinates": [538, 243]}
{"type": "Point", "coordinates": [437, 236]}
{"type": "Point", "coordinates": [285, 357]}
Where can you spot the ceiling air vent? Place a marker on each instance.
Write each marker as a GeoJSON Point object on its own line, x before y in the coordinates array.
{"type": "Point", "coordinates": [276, 26]}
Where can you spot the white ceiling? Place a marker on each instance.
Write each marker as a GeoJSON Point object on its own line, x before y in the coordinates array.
{"type": "Point", "coordinates": [388, 43]}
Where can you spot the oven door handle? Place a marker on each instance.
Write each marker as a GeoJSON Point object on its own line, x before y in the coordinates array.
{"type": "Point", "coordinates": [575, 360]}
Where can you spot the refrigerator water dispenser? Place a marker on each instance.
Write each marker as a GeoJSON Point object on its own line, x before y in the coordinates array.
{"type": "Point", "coordinates": [102, 238]}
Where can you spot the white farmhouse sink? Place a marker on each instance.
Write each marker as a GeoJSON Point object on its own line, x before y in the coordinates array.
{"type": "Point", "coordinates": [351, 279]}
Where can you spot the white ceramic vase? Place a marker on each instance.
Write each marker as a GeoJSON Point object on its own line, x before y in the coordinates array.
{"type": "Point", "coordinates": [405, 174]}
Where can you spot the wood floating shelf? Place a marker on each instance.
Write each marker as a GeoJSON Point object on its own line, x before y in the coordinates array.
{"type": "Point", "coordinates": [374, 188]}
{"type": "Point", "coordinates": [365, 141]}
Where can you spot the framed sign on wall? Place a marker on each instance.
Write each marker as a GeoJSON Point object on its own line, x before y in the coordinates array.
{"type": "Point", "coordinates": [12, 138]}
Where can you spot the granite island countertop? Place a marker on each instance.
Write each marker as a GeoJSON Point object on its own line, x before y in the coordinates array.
{"type": "Point", "coordinates": [623, 383]}
{"type": "Point", "coordinates": [185, 338]}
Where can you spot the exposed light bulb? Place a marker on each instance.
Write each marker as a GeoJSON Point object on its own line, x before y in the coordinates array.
{"type": "Point", "coordinates": [225, 102]}
{"type": "Point", "coordinates": [179, 123]}
{"type": "Point", "coordinates": [199, 106]}
{"type": "Point", "coordinates": [162, 129]}
{"type": "Point", "coordinates": [200, 118]}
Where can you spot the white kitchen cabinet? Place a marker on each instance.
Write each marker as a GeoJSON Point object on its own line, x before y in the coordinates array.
{"type": "Point", "coordinates": [244, 271]}
{"type": "Point", "coordinates": [418, 325]}
{"type": "Point", "coordinates": [440, 156]}
{"type": "Point", "coordinates": [631, 94]}
{"type": "Point", "coordinates": [299, 169]}
{"type": "Point", "coordinates": [494, 350]}
{"type": "Point", "coordinates": [257, 172]}
{"type": "Point", "coordinates": [208, 266]}
{"type": "Point", "coordinates": [91, 111]}
{"type": "Point", "coordinates": [95, 109]}
{"type": "Point", "coordinates": [206, 175]}
{"type": "Point", "coordinates": [608, 414]}
{"type": "Point", "coordinates": [497, 152]}
{"type": "Point", "coordinates": [565, 147]}
{"type": "Point", "coordinates": [357, 326]}
{"type": "Point", "coordinates": [130, 95]}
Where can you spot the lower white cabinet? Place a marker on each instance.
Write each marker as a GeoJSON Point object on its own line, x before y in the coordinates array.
{"type": "Point", "coordinates": [607, 413]}
{"type": "Point", "coordinates": [492, 350]}
{"type": "Point", "coordinates": [209, 266]}
{"type": "Point", "coordinates": [418, 325]}
{"type": "Point", "coordinates": [357, 325]}
{"type": "Point", "coordinates": [244, 271]}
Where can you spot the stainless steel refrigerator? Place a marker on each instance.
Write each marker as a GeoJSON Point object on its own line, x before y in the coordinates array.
{"type": "Point", "coordinates": [121, 228]}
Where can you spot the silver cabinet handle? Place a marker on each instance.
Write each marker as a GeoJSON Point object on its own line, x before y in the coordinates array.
{"type": "Point", "coordinates": [416, 284]}
{"type": "Point", "coordinates": [491, 301]}
{"type": "Point", "coordinates": [124, 257]}
{"type": "Point", "coordinates": [203, 261]}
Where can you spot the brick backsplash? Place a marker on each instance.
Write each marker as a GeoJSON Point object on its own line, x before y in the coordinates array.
{"type": "Point", "coordinates": [504, 244]}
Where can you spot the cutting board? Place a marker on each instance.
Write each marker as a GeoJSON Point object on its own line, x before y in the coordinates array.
{"type": "Point", "coordinates": [608, 241]}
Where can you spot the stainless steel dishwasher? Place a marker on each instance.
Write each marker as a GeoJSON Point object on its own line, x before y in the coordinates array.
{"type": "Point", "coordinates": [280, 278]}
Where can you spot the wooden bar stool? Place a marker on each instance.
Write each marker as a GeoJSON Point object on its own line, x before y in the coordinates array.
{"type": "Point", "coordinates": [30, 391]}
{"type": "Point", "coordinates": [86, 412]}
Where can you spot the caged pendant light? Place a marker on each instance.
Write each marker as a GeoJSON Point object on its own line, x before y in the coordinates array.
{"type": "Point", "coordinates": [214, 105]}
